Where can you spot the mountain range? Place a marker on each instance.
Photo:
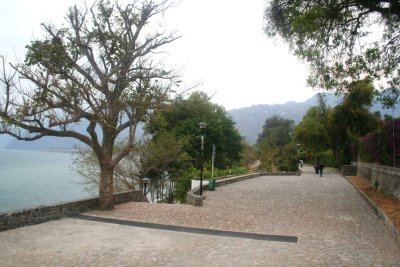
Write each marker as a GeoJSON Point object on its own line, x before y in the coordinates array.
{"type": "Point", "coordinates": [249, 121]}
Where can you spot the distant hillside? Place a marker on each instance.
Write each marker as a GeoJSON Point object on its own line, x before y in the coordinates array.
{"type": "Point", "coordinates": [4, 140]}
{"type": "Point", "coordinates": [45, 143]}
{"type": "Point", "coordinates": [50, 142]}
{"type": "Point", "coordinates": [250, 120]}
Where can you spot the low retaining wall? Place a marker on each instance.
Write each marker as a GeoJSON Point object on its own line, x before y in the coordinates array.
{"type": "Point", "coordinates": [386, 220]}
{"type": "Point", "coordinates": [15, 219]}
{"type": "Point", "coordinates": [193, 197]}
{"type": "Point", "coordinates": [280, 173]}
{"type": "Point", "coordinates": [385, 178]}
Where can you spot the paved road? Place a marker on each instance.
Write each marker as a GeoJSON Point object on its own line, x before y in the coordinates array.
{"type": "Point", "coordinates": [334, 227]}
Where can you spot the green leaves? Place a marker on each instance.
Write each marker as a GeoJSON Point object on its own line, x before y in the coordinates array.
{"type": "Point", "coordinates": [339, 39]}
{"type": "Point", "coordinates": [351, 120]}
{"type": "Point", "coordinates": [276, 131]}
{"type": "Point", "coordinates": [309, 21]}
{"type": "Point", "coordinates": [183, 117]}
{"type": "Point", "coordinates": [50, 54]}
{"type": "Point", "coordinates": [312, 134]}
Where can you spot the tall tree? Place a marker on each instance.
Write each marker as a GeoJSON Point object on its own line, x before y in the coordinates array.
{"type": "Point", "coordinates": [276, 134]}
{"type": "Point", "coordinates": [276, 131]}
{"type": "Point", "coordinates": [322, 107]}
{"type": "Point", "coordinates": [312, 132]}
{"type": "Point", "coordinates": [183, 117]}
{"type": "Point", "coordinates": [351, 120]}
{"type": "Point", "coordinates": [340, 38]}
{"type": "Point", "coordinates": [97, 70]}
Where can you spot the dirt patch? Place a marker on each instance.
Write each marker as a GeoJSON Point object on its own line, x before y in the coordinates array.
{"type": "Point", "coordinates": [386, 202]}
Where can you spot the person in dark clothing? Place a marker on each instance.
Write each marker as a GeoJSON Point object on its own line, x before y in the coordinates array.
{"type": "Point", "coordinates": [316, 167]}
{"type": "Point", "coordinates": [321, 168]}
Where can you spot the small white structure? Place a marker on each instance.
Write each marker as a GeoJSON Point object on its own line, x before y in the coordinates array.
{"type": "Point", "coordinates": [196, 183]}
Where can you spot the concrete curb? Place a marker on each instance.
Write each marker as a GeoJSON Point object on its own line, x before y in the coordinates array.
{"type": "Point", "coordinates": [381, 214]}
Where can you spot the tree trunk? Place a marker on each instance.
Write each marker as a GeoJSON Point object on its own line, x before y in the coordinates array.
{"type": "Point", "coordinates": [106, 190]}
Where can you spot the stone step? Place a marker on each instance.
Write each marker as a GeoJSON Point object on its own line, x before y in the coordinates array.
{"type": "Point", "coordinates": [349, 170]}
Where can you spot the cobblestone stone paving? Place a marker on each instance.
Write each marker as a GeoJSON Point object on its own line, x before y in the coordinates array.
{"type": "Point", "coordinates": [334, 226]}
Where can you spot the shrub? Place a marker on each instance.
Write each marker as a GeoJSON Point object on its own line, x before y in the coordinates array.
{"type": "Point", "coordinates": [368, 148]}
{"type": "Point", "coordinates": [377, 146]}
{"type": "Point", "coordinates": [288, 163]}
{"type": "Point", "coordinates": [327, 158]}
{"type": "Point", "coordinates": [219, 172]}
{"type": "Point", "coordinates": [183, 185]}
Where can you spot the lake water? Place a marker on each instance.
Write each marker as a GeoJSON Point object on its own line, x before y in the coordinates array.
{"type": "Point", "coordinates": [33, 178]}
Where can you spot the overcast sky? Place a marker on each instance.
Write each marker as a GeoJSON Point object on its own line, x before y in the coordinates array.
{"type": "Point", "coordinates": [222, 46]}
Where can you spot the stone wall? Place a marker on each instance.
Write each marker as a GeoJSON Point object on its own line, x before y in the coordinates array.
{"type": "Point", "coordinates": [385, 178]}
{"type": "Point", "coordinates": [14, 219]}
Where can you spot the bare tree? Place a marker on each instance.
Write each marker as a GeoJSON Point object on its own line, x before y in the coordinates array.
{"type": "Point", "coordinates": [151, 158]}
{"type": "Point", "coordinates": [96, 70]}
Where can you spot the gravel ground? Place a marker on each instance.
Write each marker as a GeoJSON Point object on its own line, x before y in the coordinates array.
{"type": "Point", "coordinates": [334, 226]}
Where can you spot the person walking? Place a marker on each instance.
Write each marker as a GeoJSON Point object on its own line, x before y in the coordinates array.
{"type": "Point", "coordinates": [316, 167]}
{"type": "Point", "coordinates": [321, 169]}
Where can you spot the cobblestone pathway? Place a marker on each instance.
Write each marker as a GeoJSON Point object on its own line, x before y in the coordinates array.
{"type": "Point", "coordinates": [333, 224]}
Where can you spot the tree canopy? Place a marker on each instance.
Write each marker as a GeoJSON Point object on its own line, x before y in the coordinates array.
{"type": "Point", "coordinates": [273, 142]}
{"type": "Point", "coordinates": [276, 131]}
{"type": "Point", "coordinates": [183, 117]}
{"type": "Point", "coordinates": [382, 146]}
{"type": "Point", "coordinates": [344, 41]}
{"type": "Point", "coordinates": [312, 132]}
{"type": "Point", "coordinates": [351, 120]}
{"type": "Point", "coordinates": [96, 70]}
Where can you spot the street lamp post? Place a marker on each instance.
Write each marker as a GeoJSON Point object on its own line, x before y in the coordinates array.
{"type": "Point", "coordinates": [212, 161]}
{"type": "Point", "coordinates": [145, 181]}
{"type": "Point", "coordinates": [202, 126]}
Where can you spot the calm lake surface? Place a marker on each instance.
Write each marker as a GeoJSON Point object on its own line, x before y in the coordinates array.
{"type": "Point", "coordinates": [34, 178]}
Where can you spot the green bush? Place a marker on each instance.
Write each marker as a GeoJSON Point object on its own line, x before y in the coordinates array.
{"type": "Point", "coordinates": [183, 186]}
{"type": "Point", "coordinates": [239, 170]}
{"type": "Point", "coordinates": [327, 158]}
{"type": "Point", "coordinates": [184, 183]}
{"type": "Point", "coordinates": [220, 172]}
{"type": "Point", "coordinates": [377, 147]}
{"type": "Point", "coordinates": [287, 163]}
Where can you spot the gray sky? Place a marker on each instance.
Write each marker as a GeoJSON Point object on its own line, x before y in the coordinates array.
{"type": "Point", "coordinates": [222, 46]}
